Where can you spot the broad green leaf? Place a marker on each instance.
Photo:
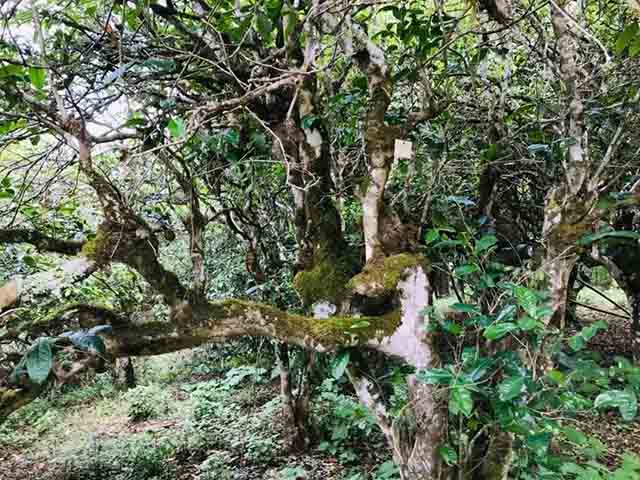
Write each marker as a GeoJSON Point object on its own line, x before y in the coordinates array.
{"type": "Point", "coordinates": [308, 121]}
{"type": "Point", "coordinates": [447, 243]}
{"type": "Point", "coordinates": [460, 400]}
{"type": "Point", "coordinates": [360, 324]}
{"type": "Point", "coordinates": [556, 376]}
{"type": "Point", "coordinates": [29, 261]}
{"type": "Point", "coordinates": [499, 330]}
{"type": "Point", "coordinates": [466, 269]}
{"type": "Point", "coordinates": [478, 369]}
{"type": "Point", "coordinates": [624, 400]}
{"type": "Point", "coordinates": [527, 323]}
{"type": "Point", "coordinates": [448, 454]}
{"type": "Point", "coordinates": [626, 37]}
{"type": "Point", "coordinates": [538, 147]}
{"type": "Point", "coordinates": [38, 77]}
{"type": "Point", "coordinates": [264, 27]}
{"type": "Point", "coordinates": [39, 360]}
{"type": "Point", "coordinates": [435, 376]}
{"type": "Point", "coordinates": [177, 127]}
{"type": "Point", "coordinates": [539, 443]}
{"type": "Point", "coordinates": [485, 243]}
{"type": "Point", "coordinates": [431, 236]}
{"type": "Point", "coordinates": [575, 436]}
{"type": "Point", "coordinates": [339, 364]}
{"type": "Point", "coordinates": [511, 388]}
{"type": "Point", "coordinates": [580, 339]}
{"type": "Point", "coordinates": [506, 313]}
{"type": "Point", "coordinates": [634, 47]}
{"type": "Point", "coordinates": [452, 327]}
{"type": "Point", "coordinates": [465, 308]}
{"type": "Point", "coordinates": [527, 299]}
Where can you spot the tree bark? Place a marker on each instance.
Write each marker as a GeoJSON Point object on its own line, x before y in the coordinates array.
{"type": "Point", "coordinates": [414, 443]}
{"type": "Point", "coordinates": [295, 401]}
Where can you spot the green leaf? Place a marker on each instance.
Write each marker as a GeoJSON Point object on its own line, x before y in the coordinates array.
{"type": "Point", "coordinates": [39, 360]}
{"type": "Point", "coordinates": [435, 376]}
{"type": "Point", "coordinates": [580, 339]}
{"type": "Point", "coordinates": [160, 64]}
{"type": "Point", "coordinates": [634, 47]}
{"type": "Point", "coordinates": [511, 388]}
{"type": "Point", "coordinates": [38, 77]}
{"type": "Point", "coordinates": [499, 330]}
{"type": "Point", "coordinates": [527, 299]}
{"type": "Point", "coordinates": [527, 323]}
{"type": "Point", "coordinates": [485, 243]}
{"type": "Point", "coordinates": [29, 261]}
{"type": "Point", "coordinates": [539, 443]}
{"type": "Point", "coordinates": [232, 137]}
{"type": "Point", "coordinates": [339, 364]}
{"type": "Point", "coordinates": [556, 376]}
{"type": "Point", "coordinates": [465, 308]}
{"type": "Point", "coordinates": [308, 121]}
{"type": "Point", "coordinates": [448, 454]}
{"type": "Point", "coordinates": [431, 236]}
{"type": "Point", "coordinates": [626, 37]}
{"type": "Point", "coordinates": [177, 127]}
{"type": "Point", "coordinates": [538, 147]}
{"type": "Point", "coordinates": [360, 324]}
{"type": "Point", "coordinates": [624, 400]}
{"type": "Point", "coordinates": [460, 400]}
{"type": "Point", "coordinates": [264, 27]}
{"type": "Point", "coordinates": [594, 237]}
{"type": "Point", "coordinates": [506, 313]}
{"type": "Point", "coordinates": [466, 269]}
{"type": "Point", "coordinates": [479, 369]}
{"type": "Point", "coordinates": [575, 436]}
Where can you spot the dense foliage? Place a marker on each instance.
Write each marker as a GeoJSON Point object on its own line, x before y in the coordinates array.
{"type": "Point", "coordinates": [398, 201]}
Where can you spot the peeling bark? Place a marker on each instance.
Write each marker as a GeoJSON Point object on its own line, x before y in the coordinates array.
{"type": "Point", "coordinates": [414, 442]}
{"type": "Point", "coordinates": [570, 206]}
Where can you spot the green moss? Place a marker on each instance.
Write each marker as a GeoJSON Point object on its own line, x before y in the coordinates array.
{"type": "Point", "coordinates": [325, 281]}
{"type": "Point", "coordinates": [381, 278]}
{"type": "Point", "coordinates": [328, 332]}
{"type": "Point", "coordinates": [337, 330]}
{"type": "Point", "coordinates": [97, 248]}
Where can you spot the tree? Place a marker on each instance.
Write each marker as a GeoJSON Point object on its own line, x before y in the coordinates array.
{"type": "Point", "coordinates": [278, 124]}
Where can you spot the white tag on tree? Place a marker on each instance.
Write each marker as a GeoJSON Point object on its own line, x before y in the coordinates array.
{"type": "Point", "coordinates": [403, 150]}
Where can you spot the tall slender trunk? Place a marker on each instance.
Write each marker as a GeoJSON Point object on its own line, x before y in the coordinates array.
{"type": "Point", "coordinates": [295, 401]}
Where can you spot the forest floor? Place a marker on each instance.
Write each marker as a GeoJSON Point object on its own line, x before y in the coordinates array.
{"type": "Point", "coordinates": [86, 433]}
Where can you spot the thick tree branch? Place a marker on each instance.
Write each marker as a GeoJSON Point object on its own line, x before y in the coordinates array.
{"type": "Point", "coordinates": [41, 241]}
{"type": "Point", "coordinates": [26, 289]}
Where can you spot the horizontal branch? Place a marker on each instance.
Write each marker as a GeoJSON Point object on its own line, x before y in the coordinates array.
{"type": "Point", "coordinates": [25, 289]}
{"type": "Point", "coordinates": [42, 242]}
{"type": "Point", "coordinates": [220, 107]}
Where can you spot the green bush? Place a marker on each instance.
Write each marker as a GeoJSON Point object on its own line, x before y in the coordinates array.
{"type": "Point", "coordinates": [141, 458]}
{"type": "Point", "coordinates": [342, 421]}
{"type": "Point", "coordinates": [147, 402]}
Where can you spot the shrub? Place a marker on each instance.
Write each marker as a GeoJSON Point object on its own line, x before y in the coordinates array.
{"type": "Point", "coordinates": [147, 402]}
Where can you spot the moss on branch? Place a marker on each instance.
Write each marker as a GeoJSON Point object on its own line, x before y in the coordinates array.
{"type": "Point", "coordinates": [380, 278]}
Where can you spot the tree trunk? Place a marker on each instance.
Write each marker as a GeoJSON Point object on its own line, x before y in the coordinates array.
{"type": "Point", "coordinates": [295, 402]}
{"type": "Point", "coordinates": [414, 438]}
